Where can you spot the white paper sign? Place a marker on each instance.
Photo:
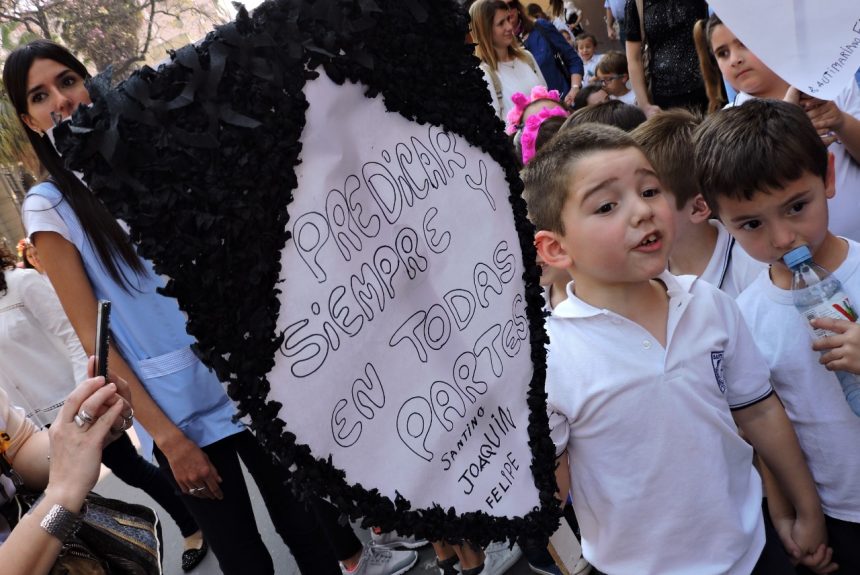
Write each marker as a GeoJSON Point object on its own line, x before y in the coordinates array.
{"type": "Point", "coordinates": [812, 44]}
{"type": "Point", "coordinates": [406, 354]}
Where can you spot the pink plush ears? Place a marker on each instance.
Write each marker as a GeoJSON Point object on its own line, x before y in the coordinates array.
{"type": "Point", "coordinates": [521, 102]}
{"type": "Point", "coordinates": [530, 130]}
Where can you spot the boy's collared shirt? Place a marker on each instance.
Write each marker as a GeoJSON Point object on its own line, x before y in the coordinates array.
{"type": "Point", "coordinates": [730, 268]}
{"type": "Point", "coordinates": [661, 481]}
{"type": "Point", "coordinates": [828, 431]}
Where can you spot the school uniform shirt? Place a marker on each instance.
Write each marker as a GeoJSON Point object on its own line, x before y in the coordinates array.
{"type": "Point", "coordinates": [40, 353]}
{"type": "Point", "coordinates": [844, 207]}
{"type": "Point", "coordinates": [590, 68]}
{"type": "Point", "coordinates": [628, 98]}
{"type": "Point", "coordinates": [828, 431]}
{"type": "Point", "coordinates": [730, 268]}
{"type": "Point", "coordinates": [147, 329]}
{"type": "Point", "coordinates": [662, 483]}
{"type": "Point", "coordinates": [15, 430]}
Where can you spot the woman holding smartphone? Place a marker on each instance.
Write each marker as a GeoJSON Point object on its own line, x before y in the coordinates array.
{"type": "Point", "coordinates": [181, 404]}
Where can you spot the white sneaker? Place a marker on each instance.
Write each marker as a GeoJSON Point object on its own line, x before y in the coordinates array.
{"type": "Point", "coordinates": [498, 558]}
{"type": "Point", "coordinates": [381, 561]}
{"type": "Point", "coordinates": [393, 540]}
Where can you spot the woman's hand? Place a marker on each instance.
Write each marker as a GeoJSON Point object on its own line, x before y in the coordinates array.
{"type": "Point", "coordinates": [79, 434]}
{"type": "Point", "coordinates": [193, 471]}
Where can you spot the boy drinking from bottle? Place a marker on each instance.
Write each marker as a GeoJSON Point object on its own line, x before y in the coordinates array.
{"type": "Point", "coordinates": [648, 378]}
{"type": "Point", "coordinates": [766, 173]}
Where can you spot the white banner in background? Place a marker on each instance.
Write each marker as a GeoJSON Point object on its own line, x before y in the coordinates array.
{"type": "Point", "coordinates": [406, 355]}
{"type": "Point", "coordinates": [813, 44]}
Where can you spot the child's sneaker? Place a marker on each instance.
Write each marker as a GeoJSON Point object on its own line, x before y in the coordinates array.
{"type": "Point", "coordinates": [448, 566]}
{"type": "Point", "coordinates": [498, 558]}
{"type": "Point", "coordinates": [393, 540]}
{"type": "Point", "coordinates": [381, 561]}
{"type": "Point", "coordinates": [551, 569]}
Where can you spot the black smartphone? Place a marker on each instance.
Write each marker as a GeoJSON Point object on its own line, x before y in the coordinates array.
{"type": "Point", "coordinates": [102, 338]}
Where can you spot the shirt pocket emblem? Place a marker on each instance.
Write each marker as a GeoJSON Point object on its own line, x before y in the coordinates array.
{"type": "Point", "coordinates": [719, 374]}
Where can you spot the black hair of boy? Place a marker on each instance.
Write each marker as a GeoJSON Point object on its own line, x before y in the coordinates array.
{"type": "Point", "coordinates": [583, 37]}
{"type": "Point", "coordinates": [613, 62]}
{"type": "Point", "coordinates": [667, 140]}
{"type": "Point", "coordinates": [547, 176]}
{"type": "Point", "coordinates": [535, 11]}
{"type": "Point", "coordinates": [547, 130]}
{"type": "Point", "coordinates": [758, 145]}
{"type": "Point", "coordinates": [580, 101]}
{"type": "Point", "coordinates": [613, 113]}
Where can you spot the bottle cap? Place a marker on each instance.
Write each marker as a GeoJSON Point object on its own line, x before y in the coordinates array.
{"type": "Point", "coordinates": [797, 256]}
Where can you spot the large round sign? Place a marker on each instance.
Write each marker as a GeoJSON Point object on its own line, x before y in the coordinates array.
{"type": "Point", "coordinates": [331, 195]}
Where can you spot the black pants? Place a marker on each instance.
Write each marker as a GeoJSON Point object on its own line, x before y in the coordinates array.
{"type": "Point", "coordinates": [342, 538]}
{"type": "Point", "coordinates": [123, 460]}
{"type": "Point", "coordinates": [844, 537]}
{"type": "Point", "coordinates": [229, 525]}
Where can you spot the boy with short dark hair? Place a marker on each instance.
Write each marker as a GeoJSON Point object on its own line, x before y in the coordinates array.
{"type": "Point", "coordinates": [764, 169]}
{"type": "Point", "coordinates": [702, 245]}
{"type": "Point", "coordinates": [611, 72]}
{"type": "Point", "coordinates": [648, 375]}
{"type": "Point", "coordinates": [586, 47]}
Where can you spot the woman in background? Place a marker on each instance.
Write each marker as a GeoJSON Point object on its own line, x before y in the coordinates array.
{"type": "Point", "coordinates": [508, 67]}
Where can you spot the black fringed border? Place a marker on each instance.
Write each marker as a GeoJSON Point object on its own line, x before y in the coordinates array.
{"type": "Point", "coordinates": [185, 156]}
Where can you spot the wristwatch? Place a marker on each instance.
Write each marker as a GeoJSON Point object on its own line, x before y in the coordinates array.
{"type": "Point", "coordinates": [62, 523]}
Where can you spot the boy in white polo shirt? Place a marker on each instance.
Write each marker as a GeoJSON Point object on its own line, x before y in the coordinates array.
{"type": "Point", "coordinates": [702, 245]}
{"type": "Point", "coordinates": [765, 170]}
{"type": "Point", "coordinates": [647, 376]}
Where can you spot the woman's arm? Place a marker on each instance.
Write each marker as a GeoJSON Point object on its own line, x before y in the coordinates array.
{"type": "Point", "coordinates": [190, 466]}
{"type": "Point", "coordinates": [75, 463]}
{"type": "Point", "coordinates": [636, 69]}
{"type": "Point", "coordinates": [571, 59]}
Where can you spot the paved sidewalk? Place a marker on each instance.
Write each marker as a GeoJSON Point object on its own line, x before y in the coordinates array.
{"type": "Point", "coordinates": [110, 486]}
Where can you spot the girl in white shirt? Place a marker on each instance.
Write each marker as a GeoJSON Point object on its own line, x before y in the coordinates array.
{"type": "Point", "coordinates": [837, 121]}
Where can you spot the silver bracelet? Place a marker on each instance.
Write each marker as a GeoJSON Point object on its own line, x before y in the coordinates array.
{"type": "Point", "coordinates": [62, 523]}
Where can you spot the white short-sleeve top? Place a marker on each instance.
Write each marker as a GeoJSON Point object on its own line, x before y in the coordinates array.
{"type": "Point", "coordinates": [661, 481]}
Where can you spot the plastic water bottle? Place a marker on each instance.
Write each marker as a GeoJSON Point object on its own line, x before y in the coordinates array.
{"type": "Point", "coordinates": [817, 293]}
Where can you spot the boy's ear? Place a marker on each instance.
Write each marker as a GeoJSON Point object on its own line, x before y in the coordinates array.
{"type": "Point", "coordinates": [830, 177]}
{"type": "Point", "coordinates": [551, 251]}
{"type": "Point", "coordinates": [700, 211]}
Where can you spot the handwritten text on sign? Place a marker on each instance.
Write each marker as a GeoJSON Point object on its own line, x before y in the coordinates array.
{"type": "Point", "coordinates": [405, 355]}
{"type": "Point", "coordinates": [813, 45]}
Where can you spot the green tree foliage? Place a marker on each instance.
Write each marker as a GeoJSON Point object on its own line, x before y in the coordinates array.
{"type": "Point", "coordinates": [100, 32]}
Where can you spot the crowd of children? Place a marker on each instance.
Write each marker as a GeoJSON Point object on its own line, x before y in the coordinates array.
{"type": "Point", "coordinates": [674, 339]}
{"type": "Point", "coordinates": [699, 423]}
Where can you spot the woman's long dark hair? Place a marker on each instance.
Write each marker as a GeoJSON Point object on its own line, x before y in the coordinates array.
{"type": "Point", "coordinates": [111, 243]}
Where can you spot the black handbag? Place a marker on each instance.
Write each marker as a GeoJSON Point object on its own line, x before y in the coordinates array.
{"type": "Point", "coordinates": [114, 538]}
